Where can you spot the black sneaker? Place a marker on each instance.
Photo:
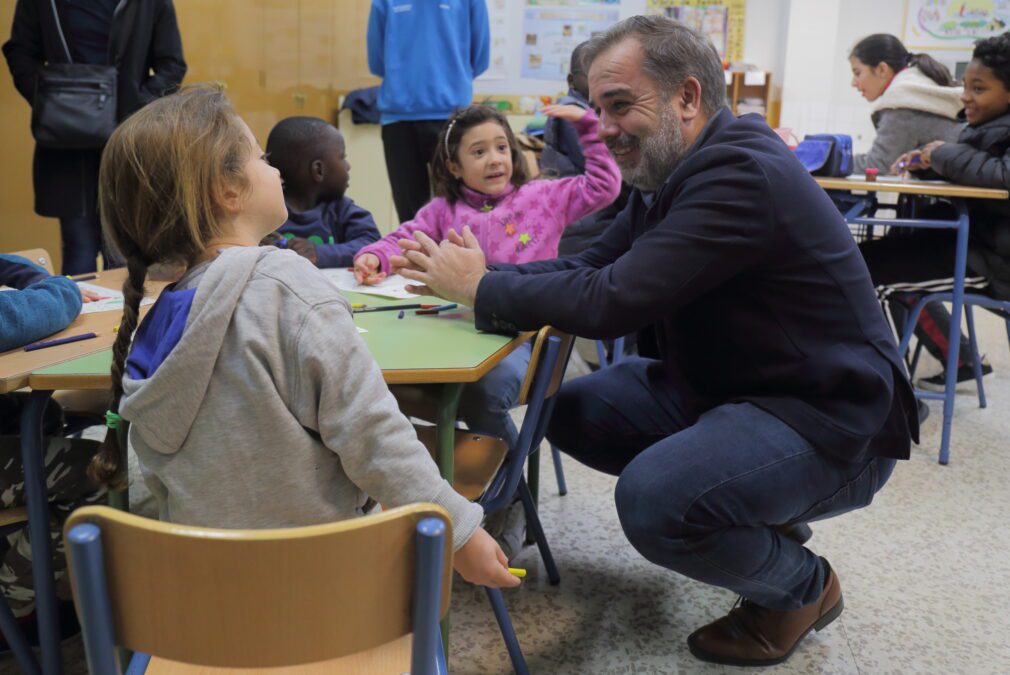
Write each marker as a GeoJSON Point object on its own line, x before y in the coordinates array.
{"type": "Point", "coordinates": [965, 373]}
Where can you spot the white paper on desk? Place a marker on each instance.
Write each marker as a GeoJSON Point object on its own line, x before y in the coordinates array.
{"type": "Point", "coordinates": [393, 286]}
{"type": "Point", "coordinates": [111, 300]}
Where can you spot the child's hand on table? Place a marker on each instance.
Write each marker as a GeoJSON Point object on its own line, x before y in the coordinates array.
{"type": "Point", "coordinates": [366, 269]}
{"type": "Point", "coordinates": [926, 154]}
{"type": "Point", "coordinates": [482, 562]}
{"type": "Point", "coordinates": [304, 248]}
{"type": "Point", "coordinates": [89, 296]}
{"type": "Point", "coordinates": [568, 113]}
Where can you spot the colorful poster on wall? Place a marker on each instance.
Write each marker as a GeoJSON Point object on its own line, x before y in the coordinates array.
{"type": "Point", "coordinates": [497, 14]}
{"type": "Point", "coordinates": [551, 33]}
{"type": "Point", "coordinates": [722, 22]}
{"type": "Point", "coordinates": [953, 24]}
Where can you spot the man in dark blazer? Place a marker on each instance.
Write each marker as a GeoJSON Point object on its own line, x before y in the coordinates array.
{"type": "Point", "coordinates": [141, 38]}
{"type": "Point", "coordinates": [780, 397]}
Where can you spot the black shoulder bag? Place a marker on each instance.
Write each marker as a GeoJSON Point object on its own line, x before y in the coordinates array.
{"type": "Point", "coordinates": [75, 103]}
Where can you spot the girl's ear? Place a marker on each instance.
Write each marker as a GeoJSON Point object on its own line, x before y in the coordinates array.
{"type": "Point", "coordinates": [883, 70]}
{"type": "Point", "coordinates": [228, 198]}
{"type": "Point", "coordinates": [455, 169]}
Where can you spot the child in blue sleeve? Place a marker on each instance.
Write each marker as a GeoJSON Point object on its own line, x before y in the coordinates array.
{"type": "Point", "coordinates": [42, 306]}
{"type": "Point", "coordinates": [323, 225]}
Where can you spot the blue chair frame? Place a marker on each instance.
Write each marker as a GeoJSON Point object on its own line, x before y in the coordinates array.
{"type": "Point", "coordinates": [956, 297]}
{"type": "Point", "coordinates": [87, 561]}
{"type": "Point", "coordinates": [510, 480]}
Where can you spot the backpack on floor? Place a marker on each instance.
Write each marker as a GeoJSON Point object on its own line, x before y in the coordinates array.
{"type": "Point", "coordinates": [826, 154]}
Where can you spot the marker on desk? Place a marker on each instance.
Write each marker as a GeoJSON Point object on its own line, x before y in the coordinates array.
{"type": "Point", "coordinates": [84, 277]}
{"type": "Point", "coordinates": [390, 308]}
{"type": "Point", "coordinates": [400, 315]}
{"type": "Point", "coordinates": [517, 571]}
{"type": "Point", "coordinates": [59, 341]}
{"type": "Point", "coordinates": [436, 309]}
{"type": "Point", "coordinates": [357, 305]}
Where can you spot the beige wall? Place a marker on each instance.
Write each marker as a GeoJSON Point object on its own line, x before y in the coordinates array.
{"type": "Point", "coordinates": [276, 58]}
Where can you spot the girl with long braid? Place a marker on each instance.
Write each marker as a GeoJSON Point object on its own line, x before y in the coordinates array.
{"type": "Point", "coordinates": [252, 400]}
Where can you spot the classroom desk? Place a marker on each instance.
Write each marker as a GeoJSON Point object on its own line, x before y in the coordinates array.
{"type": "Point", "coordinates": [442, 349]}
{"type": "Point", "coordinates": [910, 186]}
{"type": "Point", "coordinates": [862, 214]}
{"type": "Point", "coordinates": [15, 368]}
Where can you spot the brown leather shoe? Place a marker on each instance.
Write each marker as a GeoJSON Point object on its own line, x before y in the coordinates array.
{"type": "Point", "coordinates": [755, 636]}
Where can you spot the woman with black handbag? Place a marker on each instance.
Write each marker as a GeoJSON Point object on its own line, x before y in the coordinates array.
{"type": "Point", "coordinates": [84, 66]}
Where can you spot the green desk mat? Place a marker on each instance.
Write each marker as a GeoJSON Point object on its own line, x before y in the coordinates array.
{"type": "Point", "coordinates": [441, 341]}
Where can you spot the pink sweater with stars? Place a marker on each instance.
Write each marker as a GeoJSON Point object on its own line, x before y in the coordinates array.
{"type": "Point", "coordinates": [520, 224]}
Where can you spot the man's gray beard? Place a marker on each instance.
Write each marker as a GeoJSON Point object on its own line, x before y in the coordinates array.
{"type": "Point", "coordinates": [659, 155]}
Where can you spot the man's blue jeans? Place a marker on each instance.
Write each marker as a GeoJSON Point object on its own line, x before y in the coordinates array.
{"type": "Point", "coordinates": [700, 494]}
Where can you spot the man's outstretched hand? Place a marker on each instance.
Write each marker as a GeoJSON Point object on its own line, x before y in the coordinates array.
{"type": "Point", "coordinates": [451, 270]}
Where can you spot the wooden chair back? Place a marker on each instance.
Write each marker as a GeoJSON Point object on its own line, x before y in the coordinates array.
{"type": "Point", "coordinates": [567, 342]}
{"type": "Point", "coordinates": [261, 598]}
{"type": "Point", "coordinates": [39, 256]}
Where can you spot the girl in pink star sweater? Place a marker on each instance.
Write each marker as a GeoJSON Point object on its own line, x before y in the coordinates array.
{"type": "Point", "coordinates": [480, 180]}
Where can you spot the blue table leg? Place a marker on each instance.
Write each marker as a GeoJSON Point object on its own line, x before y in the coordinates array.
{"type": "Point", "coordinates": [954, 337]}
{"type": "Point", "coordinates": [445, 448]}
{"type": "Point", "coordinates": [37, 498]}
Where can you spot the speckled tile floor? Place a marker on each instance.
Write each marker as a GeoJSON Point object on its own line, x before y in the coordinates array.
{"type": "Point", "coordinates": [925, 572]}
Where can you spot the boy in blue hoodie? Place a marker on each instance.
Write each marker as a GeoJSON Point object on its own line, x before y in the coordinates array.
{"type": "Point", "coordinates": [427, 54]}
{"type": "Point", "coordinates": [323, 225]}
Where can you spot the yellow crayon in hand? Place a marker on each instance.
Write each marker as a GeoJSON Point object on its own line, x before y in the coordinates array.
{"type": "Point", "coordinates": [517, 571]}
{"type": "Point", "coordinates": [356, 305]}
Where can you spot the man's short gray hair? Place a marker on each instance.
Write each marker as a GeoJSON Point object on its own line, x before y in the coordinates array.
{"type": "Point", "coordinates": [673, 52]}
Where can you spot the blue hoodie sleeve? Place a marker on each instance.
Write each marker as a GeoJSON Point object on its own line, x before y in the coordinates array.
{"type": "Point", "coordinates": [480, 37]}
{"type": "Point", "coordinates": [41, 306]}
{"type": "Point", "coordinates": [377, 38]}
{"type": "Point", "coordinates": [358, 228]}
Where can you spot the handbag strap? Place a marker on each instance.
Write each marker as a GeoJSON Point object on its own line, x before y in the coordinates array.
{"type": "Point", "coordinates": [59, 29]}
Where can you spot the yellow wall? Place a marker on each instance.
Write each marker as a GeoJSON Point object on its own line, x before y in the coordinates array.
{"type": "Point", "coordinates": [276, 58]}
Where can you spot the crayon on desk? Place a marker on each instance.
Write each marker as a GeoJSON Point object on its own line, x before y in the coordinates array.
{"type": "Point", "coordinates": [436, 309]}
{"type": "Point", "coordinates": [59, 341]}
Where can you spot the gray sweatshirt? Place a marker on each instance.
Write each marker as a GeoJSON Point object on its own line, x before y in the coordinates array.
{"type": "Point", "coordinates": [254, 403]}
{"type": "Point", "coordinates": [913, 111]}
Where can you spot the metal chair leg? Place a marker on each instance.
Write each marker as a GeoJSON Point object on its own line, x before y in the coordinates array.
{"type": "Point", "coordinates": [559, 471]}
{"type": "Point", "coordinates": [10, 629]}
{"type": "Point", "coordinates": [33, 458]}
{"type": "Point", "coordinates": [501, 613]}
{"type": "Point", "coordinates": [976, 360]}
{"type": "Point", "coordinates": [533, 525]}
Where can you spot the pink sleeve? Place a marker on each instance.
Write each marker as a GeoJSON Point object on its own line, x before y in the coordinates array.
{"type": "Point", "coordinates": [599, 186]}
{"type": "Point", "coordinates": [427, 220]}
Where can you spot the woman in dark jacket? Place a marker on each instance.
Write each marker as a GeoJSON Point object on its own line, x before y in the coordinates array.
{"type": "Point", "coordinates": [141, 38]}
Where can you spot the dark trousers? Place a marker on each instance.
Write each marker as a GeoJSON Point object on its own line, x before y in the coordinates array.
{"type": "Point", "coordinates": [409, 148]}
{"type": "Point", "coordinates": [904, 259]}
{"type": "Point", "coordinates": [82, 242]}
{"type": "Point", "coordinates": [698, 495]}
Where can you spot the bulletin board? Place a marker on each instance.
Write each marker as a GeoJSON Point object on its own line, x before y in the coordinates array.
{"type": "Point", "coordinates": [723, 22]}
{"type": "Point", "coordinates": [952, 24]}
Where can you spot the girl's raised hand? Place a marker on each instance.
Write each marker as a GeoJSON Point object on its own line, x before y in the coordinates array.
{"type": "Point", "coordinates": [569, 113]}
{"type": "Point", "coordinates": [366, 269]}
{"type": "Point", "coordinates": [482, 562]}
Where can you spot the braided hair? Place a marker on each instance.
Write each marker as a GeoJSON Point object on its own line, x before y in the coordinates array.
{"type": "Point", "coordinates": [160, 175]}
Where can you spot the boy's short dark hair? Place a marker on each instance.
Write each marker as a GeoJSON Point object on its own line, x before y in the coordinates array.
{"type": "Point", "coordinates": [994, 54]}
{"type": "Point", "coordinates": [294, 143]}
